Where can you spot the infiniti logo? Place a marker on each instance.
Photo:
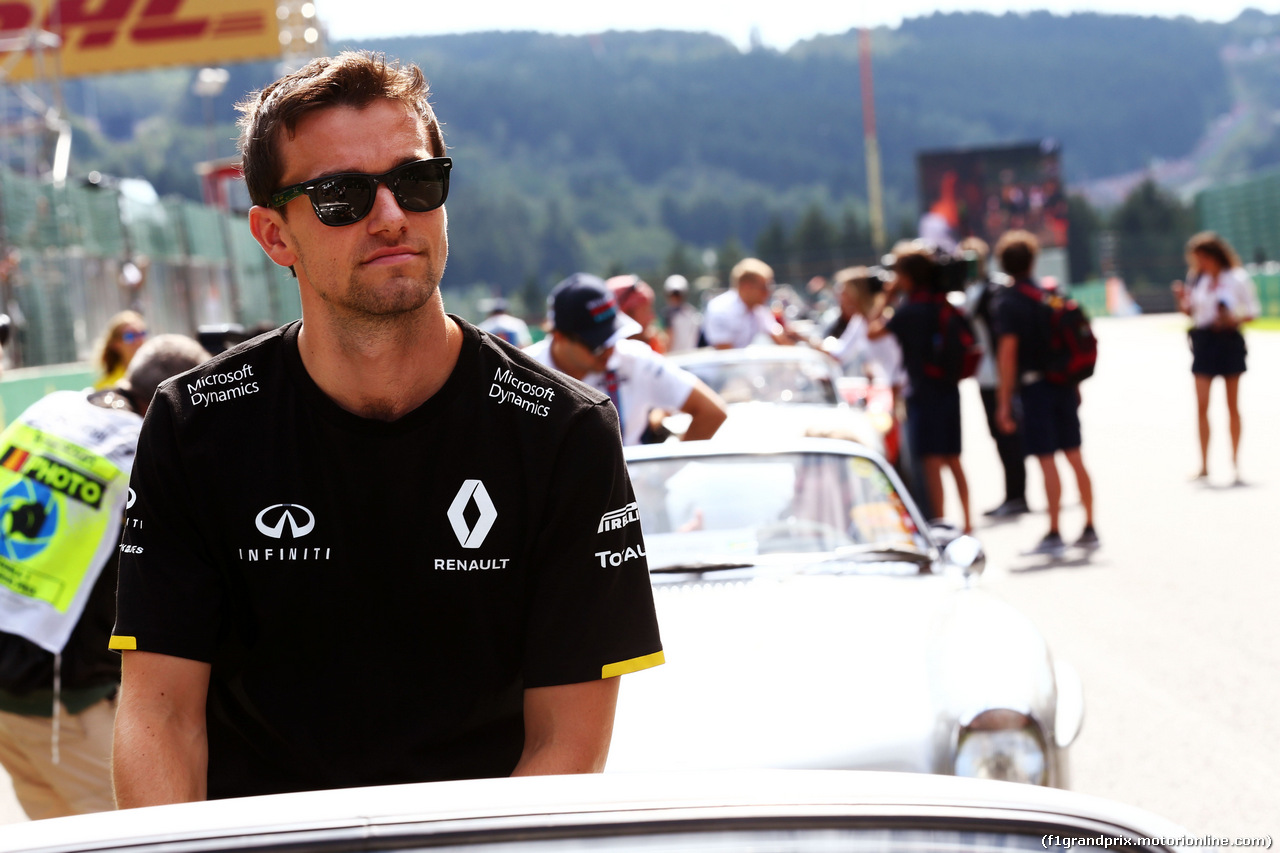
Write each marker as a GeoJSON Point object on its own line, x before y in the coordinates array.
{"type": "Point", "coordinates": [133, 496]}
{"type": "Point", "coordinates": [474, 537]}
{"type": "Point", "coordinates": [286, 516]}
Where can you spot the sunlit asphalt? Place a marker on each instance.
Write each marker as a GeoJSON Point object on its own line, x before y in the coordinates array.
{"type": "Point", "coordinates": [1173, 623]}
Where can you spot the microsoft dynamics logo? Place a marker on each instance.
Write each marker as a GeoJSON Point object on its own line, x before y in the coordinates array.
{"type": "Point", "coordinates": [472, 537]}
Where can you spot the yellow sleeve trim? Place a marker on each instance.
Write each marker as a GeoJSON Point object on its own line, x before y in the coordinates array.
{"type": "Point", "coordinates": [609, 670]}
{"type": "Point", "coordinates": [123, 644]}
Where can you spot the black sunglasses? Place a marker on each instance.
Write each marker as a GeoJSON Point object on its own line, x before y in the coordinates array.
{"type": "Point", "coordinates": [347, 198]}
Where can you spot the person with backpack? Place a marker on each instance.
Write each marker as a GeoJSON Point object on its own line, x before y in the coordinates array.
{"type": "Point", "coordinates": [938, 350]}
{"type": "Point", "coordinates": [1044, 348]}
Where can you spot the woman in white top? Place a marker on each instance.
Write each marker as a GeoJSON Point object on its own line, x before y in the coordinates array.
{"type": "Point", "coordinates": [1219, 297]}
{"type": "Point", "coordinates": [858, 289]}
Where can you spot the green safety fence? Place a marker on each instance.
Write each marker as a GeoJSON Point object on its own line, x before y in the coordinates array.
{"type": "Point", "coordinates": [21, 388]}
{"type": "Point", "coordinates": [1092, 297]}
{"type": "Point", "coordinates": [1246, 213]}
{"type": "Point", "coordinates": [1268, 284]}
{"type": "Point", "coordinates": [71, 252]}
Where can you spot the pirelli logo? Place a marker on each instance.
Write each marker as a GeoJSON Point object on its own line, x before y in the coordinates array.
{"type": "Point", "coordinates": [619, 518]}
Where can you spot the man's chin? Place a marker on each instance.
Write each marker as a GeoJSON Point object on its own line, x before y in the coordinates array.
{"type": "Point", "coordinates": [391, 298]}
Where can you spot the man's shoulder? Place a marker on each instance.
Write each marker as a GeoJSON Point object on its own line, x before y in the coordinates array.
{"type": "Point", "coordinates": [724, 303]}
{"type": "Point", "coordinates": [638, 359]}
{"type": "Point", "coordinates": [634, 350]}
{"type": "Point", "coordinates": [73, 416]}
{"type": "Point", "coordinates": [239, 374]}
{"type": "Point", "coordinates": [1017, 296]}
{"type": "Point", "coordinates": [912, 314]}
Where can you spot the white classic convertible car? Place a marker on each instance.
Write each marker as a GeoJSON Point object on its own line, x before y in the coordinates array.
{"type": "Point", "coordinates": [811, 620]}
{"type": "Point", "coordinates": [773, 390]}
{"type": "Point", "coordinates": [794, 811]}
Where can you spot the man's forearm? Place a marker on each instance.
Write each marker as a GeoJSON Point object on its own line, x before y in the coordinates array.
{"type": "Point", "coordinates": [707, 412]}
{"type": "Point", "coordinates": [161, 750]}
{"type": "Point", "coordinates": [553, 758]}
{"type": "Point", "coordinates": [155, 762]}
{"type": "Point", "coordinates": [1007, 362]}
{"type": "Point", "coordinates": [568, 728]}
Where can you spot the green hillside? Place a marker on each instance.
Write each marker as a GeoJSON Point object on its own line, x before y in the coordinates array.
{"type": "Point", "coordinates": [639, 150]}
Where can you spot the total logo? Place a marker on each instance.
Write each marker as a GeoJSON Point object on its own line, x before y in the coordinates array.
{"type": "Point", "coordinates": [617, 558]}
{"type": "Point", "coordinates": [273, 522]}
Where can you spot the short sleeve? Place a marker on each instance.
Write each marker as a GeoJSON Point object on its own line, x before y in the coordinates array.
{"type": "Point", "coordinates": [670, 385]}
{"type": "Point", "coordinates": [1248, 290]}
{"type": "Point", "coordinates": [718, 324]}
{"type": "Point", "coordinates": [590, 604]}
{"type": "Point", "coordinates": [766, 321]}
{"type": "Point", "coordinates": [1003, 320]}
{"type": "Point", "coordinates": [169, 596]}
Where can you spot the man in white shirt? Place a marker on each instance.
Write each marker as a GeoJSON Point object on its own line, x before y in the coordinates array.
{"type": "Point", "coordinates": [498, 321]}
{"type": "Point", "coordinates": [683, 321]}
{"type": "Point", "coordinates": [590, 341]}
{"type": "Point", "coordinates": [735, 319]}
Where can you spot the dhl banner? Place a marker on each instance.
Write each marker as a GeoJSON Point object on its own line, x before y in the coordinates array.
{"type": "Point", "coordinates": [129, 35]}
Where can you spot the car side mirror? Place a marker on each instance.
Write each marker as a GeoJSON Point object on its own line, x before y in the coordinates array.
{"type": "Point", "coordinates": [965, 554]}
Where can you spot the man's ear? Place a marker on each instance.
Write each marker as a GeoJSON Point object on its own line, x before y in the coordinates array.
{"type": "Point", "coordinates": [272, 233]}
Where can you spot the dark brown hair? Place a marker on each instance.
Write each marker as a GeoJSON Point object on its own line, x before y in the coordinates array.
{"type": "Point", "coordinates": [350, 79]}
{"type": "Point", "coordinates": [913, 259]}
{"type": "Point", "coordinates": [1017, 251]}
{"type": "Point", "coordinates": [1209, 243]}
{"type": "Point", "coordinates": [107, 357]}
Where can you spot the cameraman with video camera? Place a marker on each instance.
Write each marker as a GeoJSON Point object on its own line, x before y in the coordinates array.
{"type": "Point", "coordinates": [920, 324]}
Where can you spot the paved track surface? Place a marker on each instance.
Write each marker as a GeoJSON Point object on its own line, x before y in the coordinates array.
{"type": "Point", "coordinates": [1172, 624]}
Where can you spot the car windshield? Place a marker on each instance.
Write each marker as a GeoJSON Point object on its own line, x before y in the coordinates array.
{"type": "Point", "coordinates": [729, 509]}
{"type": "Point", "coordinates": [759, 381]}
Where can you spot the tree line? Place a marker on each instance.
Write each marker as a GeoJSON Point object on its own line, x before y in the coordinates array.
{"type": "Point", "coordinates": [658, 151]}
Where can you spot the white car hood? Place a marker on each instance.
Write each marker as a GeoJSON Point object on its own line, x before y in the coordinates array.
{"type": "Point", "coordinates": [823, 671]}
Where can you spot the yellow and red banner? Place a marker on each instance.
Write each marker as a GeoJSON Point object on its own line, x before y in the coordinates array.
{"type": "Point", "coordinates": [100, 36]}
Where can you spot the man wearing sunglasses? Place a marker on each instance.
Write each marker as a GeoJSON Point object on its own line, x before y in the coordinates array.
{"type": "Point", "coordinates": [365, 548]}
{"type": "Point", "coordinates": [591, 340]}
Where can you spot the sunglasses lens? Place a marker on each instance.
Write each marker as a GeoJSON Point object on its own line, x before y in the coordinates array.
{"type": "Point", "coordinates": [343, 200]}
{"type": "Point", "coordinates": [420, 187]}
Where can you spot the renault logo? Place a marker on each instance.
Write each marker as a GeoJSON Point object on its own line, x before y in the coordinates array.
{"type": "Point", "coordinates": [286, 516]}
{"type": "Point", "coordinates": [474, 537]}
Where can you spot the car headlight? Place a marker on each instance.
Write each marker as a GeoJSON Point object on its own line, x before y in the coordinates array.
{"type": "Point", "coordinates": [1005, 745]}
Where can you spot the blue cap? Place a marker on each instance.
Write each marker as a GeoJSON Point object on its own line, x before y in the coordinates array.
{"type": "Point", "coordinates": [584, 307]}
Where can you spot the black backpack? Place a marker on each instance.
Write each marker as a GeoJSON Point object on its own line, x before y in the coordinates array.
{"type": "Point", "coordinates": [1071, 347]}
{"type": "Point", "coordinates": [954, 352]}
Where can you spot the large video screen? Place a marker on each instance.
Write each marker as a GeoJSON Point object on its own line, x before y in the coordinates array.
{"type": "Point", "coordinates": [984, 192]}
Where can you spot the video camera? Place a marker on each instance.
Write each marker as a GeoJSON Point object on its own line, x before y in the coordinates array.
{"type": "Point", "coordinates": [878, 277]}
{"type": "Point", "coordinates": [937, 271]}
